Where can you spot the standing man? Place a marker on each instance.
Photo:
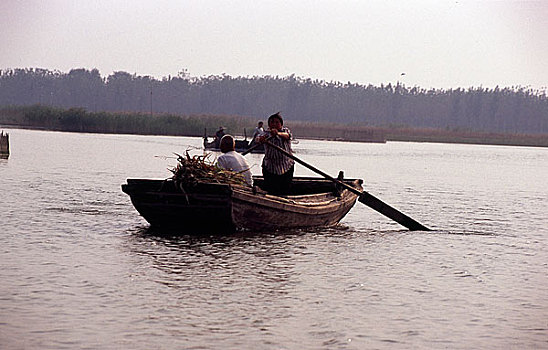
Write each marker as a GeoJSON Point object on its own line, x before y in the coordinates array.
{"type": "Point", "coordinates": [257, 132]}
{"type": "Point", "coordinates": [277, 168]}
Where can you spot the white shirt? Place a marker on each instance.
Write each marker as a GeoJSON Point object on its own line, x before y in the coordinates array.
{"type": "Point", "coordinates": [258, 131]}
{"type": "Point", "coordinates": [235, 162]}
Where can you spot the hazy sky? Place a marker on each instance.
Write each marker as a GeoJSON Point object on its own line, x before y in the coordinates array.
{"type": "Point", "coordinates": [441, 44]}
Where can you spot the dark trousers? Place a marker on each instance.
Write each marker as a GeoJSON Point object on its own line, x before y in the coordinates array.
{"type": "Point", "coordinates": [278, 184]}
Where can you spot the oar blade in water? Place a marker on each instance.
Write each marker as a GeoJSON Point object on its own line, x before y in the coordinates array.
{"type": "Point", "coordinates": [385, 209]}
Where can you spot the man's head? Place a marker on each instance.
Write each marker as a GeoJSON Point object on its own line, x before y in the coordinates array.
{"type": "Point", "coordinates": [260, 124]}
{"type": "Point", "coordinates": [227, 143]}
{"type": "Point", "coordinates": [275, 121]}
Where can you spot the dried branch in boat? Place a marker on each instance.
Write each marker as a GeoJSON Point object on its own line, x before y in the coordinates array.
{"type": "Point", "coordinates": [200, 168]}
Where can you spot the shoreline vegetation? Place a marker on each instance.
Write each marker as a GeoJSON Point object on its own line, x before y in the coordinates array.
{"type": "Point", "coordinates": [80, 120]}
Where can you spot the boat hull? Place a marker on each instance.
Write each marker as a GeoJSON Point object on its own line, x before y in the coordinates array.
{"type": "Point", "coordinates": [214, 208]}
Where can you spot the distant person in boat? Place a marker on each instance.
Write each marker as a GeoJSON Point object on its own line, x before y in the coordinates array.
{"type": "Point", "coordinates": [231, 160]}
{"type": "Point", "coordinates": [277, 168]}
{"type": "Point", "coordinates": [219, 135]}
{"type": "Point", "coordinates": [259, 130]}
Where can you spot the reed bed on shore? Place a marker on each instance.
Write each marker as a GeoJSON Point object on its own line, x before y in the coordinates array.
{"type": "Point", "coordinates": [79, 120]}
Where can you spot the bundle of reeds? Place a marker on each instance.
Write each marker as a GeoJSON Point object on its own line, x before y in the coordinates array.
{"type": "Point", "coordinates": [200, 168]}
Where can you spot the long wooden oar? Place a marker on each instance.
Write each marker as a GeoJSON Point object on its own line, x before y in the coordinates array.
{"type": "Point", "coordinates": [364, 197]}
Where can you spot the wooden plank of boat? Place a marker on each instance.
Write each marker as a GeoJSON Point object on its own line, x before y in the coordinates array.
{"type": "Point", "coordinates": [268, 212]}
{"type": "Point", "coordinates": [164, 205]}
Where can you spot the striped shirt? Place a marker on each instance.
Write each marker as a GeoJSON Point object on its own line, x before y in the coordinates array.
{"type": "Point", "coordinates": [274, 161]}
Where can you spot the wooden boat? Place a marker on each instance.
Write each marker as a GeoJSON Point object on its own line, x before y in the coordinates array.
{"type": "Point", "coordinates": [239, 146]}
{"type": "Point", "coordinates": [223, 208]}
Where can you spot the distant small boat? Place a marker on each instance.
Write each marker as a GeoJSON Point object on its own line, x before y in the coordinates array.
{"type": "Point", "coordinates": [223, 208]}
{"type": "Point", "coordinates": [239, 145]}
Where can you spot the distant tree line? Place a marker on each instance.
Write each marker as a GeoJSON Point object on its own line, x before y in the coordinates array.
{"type": "Point", "coordinates": [503, 110]}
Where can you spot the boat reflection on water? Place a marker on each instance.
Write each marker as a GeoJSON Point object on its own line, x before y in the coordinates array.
{"type": "Point", "coordinates": [244, 265]}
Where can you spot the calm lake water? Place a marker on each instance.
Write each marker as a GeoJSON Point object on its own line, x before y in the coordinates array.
{"type": "Point", "coordinates": [80, 269]}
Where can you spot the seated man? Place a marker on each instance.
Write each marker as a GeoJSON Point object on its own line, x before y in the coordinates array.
{"type": "Point", "coordinates": [231, 160]}
{"type": "Point", "coordinates": [219, 135]}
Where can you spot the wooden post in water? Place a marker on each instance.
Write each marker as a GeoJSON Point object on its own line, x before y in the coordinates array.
{"type": "Point", "coordinates": [4, 144]}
